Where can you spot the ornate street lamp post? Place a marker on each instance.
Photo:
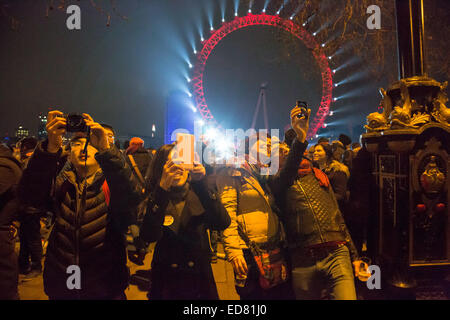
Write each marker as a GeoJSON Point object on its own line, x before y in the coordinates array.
{"type": "Point", "coordinates": [410, 146]}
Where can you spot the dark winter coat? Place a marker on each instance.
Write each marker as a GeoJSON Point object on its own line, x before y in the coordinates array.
{"type": "Point", "coordinates": [10, 173]}
{"type": "Point", "coordinates": [357, 214]}
{"type": "Point", "coordinates": [338, 174]}
{"type": "Point", "coordinates": [89, 235]}
{"type": "Point", "coordinates": [181, 262]}
{"type": "Point", "coordinates": [142, 158]}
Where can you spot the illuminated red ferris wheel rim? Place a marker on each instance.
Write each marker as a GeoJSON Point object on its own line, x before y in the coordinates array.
{"type": "Point", "coordinates": [269, 20]}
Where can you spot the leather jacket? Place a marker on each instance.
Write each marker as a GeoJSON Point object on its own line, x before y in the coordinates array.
{"type": "Point", "coordinates": [309, 211]}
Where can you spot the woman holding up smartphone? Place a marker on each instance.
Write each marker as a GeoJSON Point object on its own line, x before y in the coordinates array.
{"type": "Point", "coordinates": [179, 215]}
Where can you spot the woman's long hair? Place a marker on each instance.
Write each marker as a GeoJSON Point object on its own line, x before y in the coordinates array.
{"type": "Point", "coordinates": [157, 165]}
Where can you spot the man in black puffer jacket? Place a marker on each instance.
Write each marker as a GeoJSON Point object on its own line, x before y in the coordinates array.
{"type": "Point", "coordinates": [93, 195]}
{"type": "Point", "coordinates": [10, 173]}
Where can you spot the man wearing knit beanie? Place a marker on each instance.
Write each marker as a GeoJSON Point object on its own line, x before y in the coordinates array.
{"type": "Point", "coordinates": [135, 144]}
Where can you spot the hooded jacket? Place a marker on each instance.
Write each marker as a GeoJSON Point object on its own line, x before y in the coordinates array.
{"type": "Point", "coordinates": [338, 174]}
{"type": "Point", "coordinates": [88, 231]}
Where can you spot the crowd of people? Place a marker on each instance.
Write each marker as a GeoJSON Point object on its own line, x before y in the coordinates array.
{"type": "Point", "coordinates": [285, 235]}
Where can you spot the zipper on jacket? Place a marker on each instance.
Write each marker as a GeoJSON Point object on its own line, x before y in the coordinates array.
{"type": "Point", "coordinates": [77, 232]}
{"type": "Point", "coordinates": [77, 228]}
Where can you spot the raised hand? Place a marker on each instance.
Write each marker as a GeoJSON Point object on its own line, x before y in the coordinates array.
{"type": "Point", "coordinates": [300, 124]}
{"type": "Point", "coordinates": [56, 128]}
{"type": "Point", "coordinates": [170, 171]}
{"type": "Point", "coordinates": [198, 172]}
{"type": "Point", "coordinates": [99, 137]}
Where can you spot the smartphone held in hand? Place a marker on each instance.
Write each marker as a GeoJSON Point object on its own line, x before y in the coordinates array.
{"type": "Point", "coordinates": [183, 153]}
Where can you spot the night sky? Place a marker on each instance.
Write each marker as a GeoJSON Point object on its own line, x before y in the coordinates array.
{"type": "Point", "coordinates": [122, 74]}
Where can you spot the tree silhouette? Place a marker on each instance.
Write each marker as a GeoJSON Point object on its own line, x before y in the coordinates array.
{"type": "Point", "coordinates": [342, 26]}
{"type": "Point", "coordinates": [107, 10]}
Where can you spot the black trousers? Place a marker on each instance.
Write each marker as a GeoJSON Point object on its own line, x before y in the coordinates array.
{"type": "Point", "coordinates": [30, 243]}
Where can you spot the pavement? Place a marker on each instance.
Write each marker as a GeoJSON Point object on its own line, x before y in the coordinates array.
{"type": "Point", "coordinates": [33, 289]}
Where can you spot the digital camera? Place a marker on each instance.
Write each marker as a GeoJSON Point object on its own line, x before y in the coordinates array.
{"type": "Point", "coordinates": [75, 123]}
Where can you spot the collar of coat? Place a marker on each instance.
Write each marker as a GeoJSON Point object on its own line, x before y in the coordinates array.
{"type": "Point", "coordinates": [68, 174]}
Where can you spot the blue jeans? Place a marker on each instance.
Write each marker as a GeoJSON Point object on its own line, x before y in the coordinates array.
{"type": "Point", "coordinates": [333, 272]}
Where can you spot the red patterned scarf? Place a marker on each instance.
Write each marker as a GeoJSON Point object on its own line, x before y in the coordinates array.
{"type": "Point", "coordinates": [306, 168]}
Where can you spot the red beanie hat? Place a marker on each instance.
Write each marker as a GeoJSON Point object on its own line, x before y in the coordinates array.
{"type": "Point", "coordinates": [135, 144]}
{"type": "Point", "coordinates": [136, 140]}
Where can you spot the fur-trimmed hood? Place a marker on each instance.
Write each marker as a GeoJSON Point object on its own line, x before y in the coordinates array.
{"type": "Point", "coordinates": [337, 166]}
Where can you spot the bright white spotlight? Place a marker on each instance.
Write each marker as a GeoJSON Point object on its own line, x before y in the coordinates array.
{"type": "Point", "coordinates": [314, 34]}
{"type": "Point", "coordinates": [334, 99]}
{"type": "Point", "coordinates": [190, 95]}
{"type": "Point", "coordinates": [212, 28]}
{"type": "Point", "coordinates": [224, 148]}
{"type": "Point", "coordinates": [323, 45]}
{"type": "Point", "coordinates": [195, 51]}
{"type": "Point", "coordinates": [278, 12]}
{"type": "Point", "coordinates": [211, 133]}
{"type": "Point", "coordinates": [335, 85]}
{"type": "Point", "coordinates": [317, 135]}
{"type": "Point", "coordinates": [190, 65]}
{"type": "Point", "coordinates": [223, 19]}
{"type": "Point", "coordinates": [331, 113]}
{"type": "Point", "coordinates": [235, 14]}
{"type": "Point", "coordinates": [189, 79]}
{"type": "Point", "coordinates": [329, 58]}
{"type": "Point", "coordinates": [324, 125]}
{"type": "Point", "coordinates": [249, 10]}
{"type": "Point", "coordinates": [264, 10]}
{"type": "Point", "coordinates": [334, 70]}
{"type": "Point", "coordinates": [292, 17]}
{"type": "Point", "coordinates": [304, 24]}
{"type": "Point", "coordinates": [202, 39]}
{"type": "Point", "coordinates": [200, 122]}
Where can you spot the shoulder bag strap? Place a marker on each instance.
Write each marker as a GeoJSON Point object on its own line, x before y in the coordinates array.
{"type": "Point", "coordinates": [136, 169]}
